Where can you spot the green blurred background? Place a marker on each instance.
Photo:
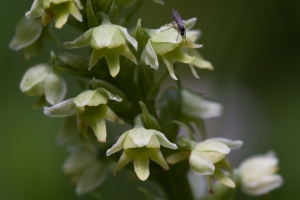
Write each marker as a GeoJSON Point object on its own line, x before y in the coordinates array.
{"type": "Point", "coordinates": [254, 46]}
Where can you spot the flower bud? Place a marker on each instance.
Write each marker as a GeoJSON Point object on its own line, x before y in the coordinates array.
{"type": "Point", "coordinates": [258, 174]}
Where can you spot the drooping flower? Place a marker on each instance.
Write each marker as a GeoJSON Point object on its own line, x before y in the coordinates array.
{"type": "Point", "coordinates": [29, 36]}
{"type": "Point", "coordinates": [60, 9]}
{"type": "Point", "coordinates": [42, 80]}
{"type": "Point", "coordinates": [167, 43]}
{"type": "Point", "coordinates": [109, 41]}
{"type": "Point", "coordinates": [91, 110]}
{"type": "Point", "coordinates": [196, 106]}
{"type": "Point", "coordinates": [88, 171]}
{"type": "Point", "coordinates": [209, 158]}
{"type": "Point", "coordinates": [140, 145]}
{"type": "Point", "coordinates": [258, 174]}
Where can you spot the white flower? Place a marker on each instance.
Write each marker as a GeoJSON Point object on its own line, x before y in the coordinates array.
{"type": "Point", "coordinates": [41, 80]}
{"type": "Point", "coordinates": [91, 109]}
{"type": "Point", "coordinates": [140, 145]}
{"type": "Point", "coordinates": [60, 9]}
{"type": "Point", "coordinates": [108, 41]}
{"type": "Point", "coordinates": [88, 171]}
{"type": "Point", "coordinates": [167, 43]}
{"type": "Point", "coordinates": [194, 105]}
{"type": "Point", "coordinates": [208, 158]}
{"type": "Point", "coordinates": [258, 174]}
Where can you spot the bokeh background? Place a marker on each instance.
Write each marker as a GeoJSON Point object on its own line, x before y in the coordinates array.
{"type": "Point", "coordinates": [254, 46]}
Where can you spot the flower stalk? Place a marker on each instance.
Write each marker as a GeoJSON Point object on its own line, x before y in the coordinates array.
{"type": "Point", "coordinates": [119, 84]}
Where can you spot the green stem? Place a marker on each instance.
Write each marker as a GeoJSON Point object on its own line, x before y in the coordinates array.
{"type": "Point", "coordinates": [174, 182]}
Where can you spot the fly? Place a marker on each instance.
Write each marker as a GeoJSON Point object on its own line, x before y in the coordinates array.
{"type": "Point", "coordinates": [178, 24]}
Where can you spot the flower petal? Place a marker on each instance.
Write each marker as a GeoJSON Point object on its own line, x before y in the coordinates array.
{"type": "Point", "coordinates": [141, 167]}
{"type": "Point", "coordinates": [200, 165]}
{"type": "Point", "coordinates": [89, 98]}
{"type": "Point", "coordinates": [258, 166]}
{"type": "Point", "coordinates": [91, 178]}
{"type": "Point", "coordinates": [75, 12]}
{"type": "Point", "coordinates": [178, 157]}
{"type": "Point", "coordinates": [224, 179]}
{"type": "Point", "coordinates": [109, 95]}
{"type": "Point", "coordinates": [27, 32]}
{"type": "Point", "coordinates": [61, 19]}
{"type": "Point", "coordinates": [96, 55]}
{"type": "Point", "coordinates": [80, 159]}
{"type": "Point", "coordinates": [36, 10]}
{"type": "Point", "coordinates": [150, 56]}
{"type": "Point", "coordinates": [62, 109]}
{"type": "Point", "coordinates": [124, 160]}
{"type": "Point", "coordinates": [140, 136]}
{"type": "Point", "coordinates": [55, 88]}
{"type": "Point", "coordinates": [118, 145]}
{"type": "Point", "coordinates": [163, 140]}
{"type": "Point", "coordinates": [128, 37]}
{"type": "Point", "coordinates": [232, 144]}
{"type": "Point", "coordinates": [125, 51]}
{"type": "Point", "coordinates": [263, 185]}
{"type": "Point", "coordinates": [82, 41]}
{"type": "Point", "coordinates": [103, 36]}
{"type": "Point", "coordinates": [212, 145]}
{"type": "Point", "coordinates": [113, 63]}
{"type": "Point", "coordinates": [170, 67]}
{"type": "Point", "coordinates": [157, 157]}
{"type": "Point", "coordinates": [111, 116]}
{"type": "Point", "coordinates": [190, 23]}
{"type": "Point", "coordinates": [199, 61]}
{"type": "Point", "coordinates": [32, 78]}
{"type": "Point", "coordinates": [194, 105]}
{"type": "Point", "coordinates": [99, 128]}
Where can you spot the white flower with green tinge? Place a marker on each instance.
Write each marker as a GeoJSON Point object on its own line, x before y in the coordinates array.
{"type": "Point", "coordinates": [140, 145]}
{"type": "Point", "coordinates": [208, 158]}
{"type": "Point", "coordinates": [60, 9]}
{"type": "Point", "coordinates": [84, 164]}
{"type": "Point", "coordinates": [109, 41]}
{"type": "Point", "coordinates": [91, 110]}
{"type": "Point", "coordinates": [258, 174]}
{"type": "Point", "coordinates": [167, 43]}
{"type": "Point", "coordinates": [196, 106]}
{"type": "Point", "coordinates": [42, 80]}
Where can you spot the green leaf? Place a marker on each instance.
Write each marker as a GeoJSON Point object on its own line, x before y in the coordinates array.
{"type": "Point", "coordinates": [149, 121]}
{"type": "Point", "coordinates": [92, 21]}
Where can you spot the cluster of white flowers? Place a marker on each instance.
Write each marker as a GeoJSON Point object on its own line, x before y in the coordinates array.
{"type": "Point", "coordinates": [107, 98]}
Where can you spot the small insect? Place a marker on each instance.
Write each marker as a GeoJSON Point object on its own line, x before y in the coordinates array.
{"type": "Point", "coordinates": [178, 24]}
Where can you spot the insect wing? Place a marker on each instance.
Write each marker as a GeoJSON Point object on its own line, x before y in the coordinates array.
{"type": "Point", "coordinates": [177, 18]}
